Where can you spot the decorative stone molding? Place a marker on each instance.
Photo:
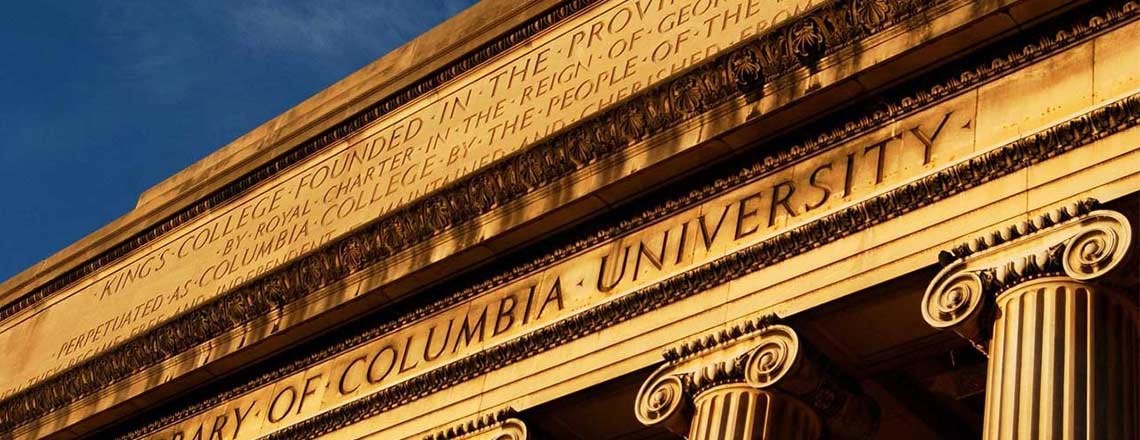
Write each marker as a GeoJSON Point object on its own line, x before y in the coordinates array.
{"type": "Point", "coordinates": [1078, 242]}
{"type": "Point", "coordinates": [824, 31]}
{"type": "Point", "coordinates": [1015, 156]}
{"type": "Point", "coordinates": [1061, 335]}
{"type": "Point", "coordinates": [1002, 161]}
{"type": "Point", "coordinates": [762, 368]}
{"type": "Point", "coordinates": [501, 425]}
{"type": "Point", "coordinates": [779, 52]}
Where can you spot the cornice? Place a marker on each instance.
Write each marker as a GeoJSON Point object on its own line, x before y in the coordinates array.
{"type": "Point", "coordinates": [901, 104]}
{"type": "Point", "coordinates": [802, 42]}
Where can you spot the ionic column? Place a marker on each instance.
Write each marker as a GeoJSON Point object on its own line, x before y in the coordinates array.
{"type": "Point", "coordinates": [500, 425]}
{"type": "Point", "coordinates": [752, 382]}
{"type": "Point", "coordinates": [1061, 334]}
{"type": "Point", "coordinates": [740, 411]}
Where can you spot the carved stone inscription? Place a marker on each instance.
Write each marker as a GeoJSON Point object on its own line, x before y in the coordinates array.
{"type": "Point", "coordinates": [572, 71]}
{"type": "Point", "coordinates": [695, 236]}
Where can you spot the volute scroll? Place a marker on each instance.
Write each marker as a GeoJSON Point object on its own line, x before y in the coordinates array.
{"type": "Point", "coordinates": [664, 401]}
{"type": "Point", "coordinates": [760, 358]}
{"type": "Point", "coordinates": [957, 300]}
{"type": "Point", "coordinates": [1098, 248]}
{"type": "Point", "coordinates": [500, 425]}
{"type": "Point", "coordinates": [1079, 242]}
{"type": "Point", "coordinates": [775, 356]}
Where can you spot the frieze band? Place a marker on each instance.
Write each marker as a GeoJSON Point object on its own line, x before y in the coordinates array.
{"type": "Point", "coordinates": [774, 54]}
{"type": "Point", "coordinates": [307, 149]}
{"type": "Point", "coordinates": [994, 164]}
{"type": "Point", "coordinates": [940, 91]}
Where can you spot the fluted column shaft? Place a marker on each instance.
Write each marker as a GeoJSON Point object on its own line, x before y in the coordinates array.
{"type": "Point", "coordinates": [753, 381]}
{"type": "Point", "coordinates": [742, 412]}
{"type": "Point", "coordinates": [1038, 299]}
{"type": "Point", "coordinates": [1063, 363]}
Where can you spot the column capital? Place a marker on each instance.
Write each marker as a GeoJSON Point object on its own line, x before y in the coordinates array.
{"type": "Point", "coordinates": [503, 424]}
{"type": "Point", "coordinates": [1078, 242]}
{"type": "Point", "coordinates": [761, 354]}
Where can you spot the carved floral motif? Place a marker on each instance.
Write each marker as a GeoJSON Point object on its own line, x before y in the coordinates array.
{"type": "Point", "coordinates": [871, 13]}
{"type": "Point", "coordinates": [807, 41]}
{"type": "Point", "coordinates": [744, 66]}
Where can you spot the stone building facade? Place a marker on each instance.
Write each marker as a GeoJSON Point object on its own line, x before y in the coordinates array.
{"type": "Point", "coordinates": [634, 219]}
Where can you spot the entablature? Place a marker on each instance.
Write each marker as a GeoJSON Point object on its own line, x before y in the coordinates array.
{"type": "Point", "coordinates": [754, 220]}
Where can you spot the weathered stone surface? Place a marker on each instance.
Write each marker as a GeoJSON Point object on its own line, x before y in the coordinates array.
{"type": "Point", "coordinates": [811, 216]}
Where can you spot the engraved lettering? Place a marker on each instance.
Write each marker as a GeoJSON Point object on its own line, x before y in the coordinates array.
{"type": "Point", "coordinates": [781, 200]}
{"type": "Point", "coordinates": [468, 331]}
{"type": "Point", "coordinates": [822, 186]}
{"type": "Point", "coordinates": [744, 213]}
{"type": "Point", "coordinates": [928, 140]}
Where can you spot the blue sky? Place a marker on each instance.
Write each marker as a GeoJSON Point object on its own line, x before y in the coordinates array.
{"type": "Point", "coordinates": [102, 99]}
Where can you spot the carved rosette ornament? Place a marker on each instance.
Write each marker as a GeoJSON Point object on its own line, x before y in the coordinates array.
{"type": "Point", "coordinates": [753, 381]}
{"type": "Point", "coordinates": [501, 425]}
{"type": "Point", "coordinates": [1056, 319]}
